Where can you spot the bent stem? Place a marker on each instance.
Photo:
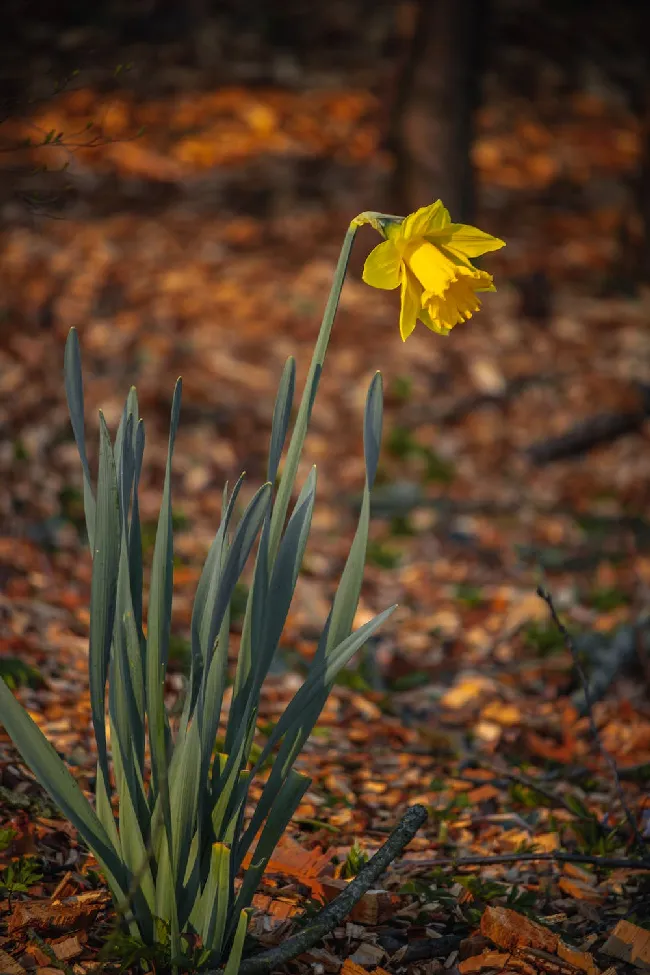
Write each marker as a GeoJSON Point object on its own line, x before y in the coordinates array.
{"type": "Point", "coordinates": [309, 394]}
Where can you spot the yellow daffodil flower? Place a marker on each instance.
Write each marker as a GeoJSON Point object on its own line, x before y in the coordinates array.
{"type": "Point", "coordinates": [428, 256]}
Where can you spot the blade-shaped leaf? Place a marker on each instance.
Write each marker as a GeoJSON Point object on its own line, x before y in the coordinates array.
{"type": "Point", "coordinates": [372, 426]}
{"type": "Point", "coordinates": [349, 589]}
{"type": "Point", "coordinates": [103, 591]}
{"type": "Point", "coordinates": [287, 567]}
{"type": "Point", "coordinates": [213, 911]}
{"type": "Point", "coordinates": [281, 417]}
{"type": "Point", "coordinates": [242, 544]}
{"type": "Point", "coordinates": [285, 805]}
{"type": "Point", "coordinates": [205, 598]}
{"type": "Point", "coordinates": [158, 630]}
{"type": "Point", "coordinates": [136, 573]}
{"type": "Point", "coordinates": [234, 959]}
{"type": "Point", "coordinates": [251, 642]}
{"type": "Point", "coordinates": [75, 397]}
{"type": "Point", "coordinates": [320, 676]}
{"type": "Point", "coordinates": [40, 756]}
{"type": "Point", "coordinates": [261, 645]}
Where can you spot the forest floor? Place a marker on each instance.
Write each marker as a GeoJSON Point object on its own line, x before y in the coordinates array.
{"type": "Point", "coordinates": [468, 701]}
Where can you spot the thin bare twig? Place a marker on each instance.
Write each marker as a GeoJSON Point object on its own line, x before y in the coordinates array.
{"type": "Point", "coordinates": [568, 640]}
{"type": "Point", "coordinates": [604, 863]}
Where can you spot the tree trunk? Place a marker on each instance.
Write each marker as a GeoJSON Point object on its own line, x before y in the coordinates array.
{"type": "Point", "coordinates": [432, 125]}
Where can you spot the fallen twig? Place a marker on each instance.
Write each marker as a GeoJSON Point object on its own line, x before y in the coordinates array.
{"type": "Point", "coordinates": [568, 640]}
{"type": "Point", "coordinates": [327, 919]}
{"type": "Point", "coordinates": [604, 863]}
{"type": "Point", "coordinates": [590, 433]}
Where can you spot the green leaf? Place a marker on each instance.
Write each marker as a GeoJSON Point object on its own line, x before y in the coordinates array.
{"type": "Point", "coordinates": [158, 630]}
{"type": "Point", "coordinates": [234, 959]}
{"type": "Point", "coordinates": [286, 569]}
{"type": "Point", "coordinates": [40, 756]}
{"type": "Point", "coordinates": [281, 417]}
{"type": "Point", "coordinates": [75, 397]}
{"type": "Point", "coordinates": [286, 802]}
{"type": "Point", "coordinates": [372, 426]}
{"type": "Point", "coordinates": [213, 911]}
{"type": "Point", "coordinates": [103, 596]}
{"type": "Point", "coordinates": [321, 674]}
{"type": "Point", "coordinates": [244, 700]}
{"type": "Point", "coordinates": [235, 561]}
{"type": "Point", "coordinates": [346, 600]}
{"type": "Point", "coordinates": [237, 556]}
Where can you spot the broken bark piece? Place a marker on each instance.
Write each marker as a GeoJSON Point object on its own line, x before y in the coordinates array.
{"type": "Point", "coordinates": [508, 929]}
{"type": "Point", "coordinates": [48, 916]}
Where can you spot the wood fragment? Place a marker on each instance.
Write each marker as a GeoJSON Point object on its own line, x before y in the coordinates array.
{"type": "Point", "coordinates": [629, 943]}
{"type": "Point", "coordinates": [509, 929]}
{"type": "Point", "coordinates": [9, 966]}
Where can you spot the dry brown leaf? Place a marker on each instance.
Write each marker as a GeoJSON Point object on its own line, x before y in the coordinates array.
{"type": "Point", "coordinates": [529, 607]}
{"type": "Point", "coordinates": [468, 688]}
{"type": "Point", "coordinates": [291, 860]}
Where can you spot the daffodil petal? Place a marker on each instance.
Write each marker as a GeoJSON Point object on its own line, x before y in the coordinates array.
{"type": "Point", "coordinates": [383, 266]}
{"type": "Point", "coordinates": [433, 270]}
{"type": "Point", "coordinates": [426, 220]}
{"type": "Point", "coordinates": [465, 241]}
{"type": "Point", "coordinates": [410, 304]}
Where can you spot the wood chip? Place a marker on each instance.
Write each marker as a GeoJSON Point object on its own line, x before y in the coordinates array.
{"type": "Point", "coordinates": [508, 929]}
{"type": "Point", "coordinates": [487, 959]}
{"type": "Point", "coordinates": [580, 890]}
{"type": "Point", "coordinates": [8, 966]}
{"type": "Point", "coordinates": [629, 943]}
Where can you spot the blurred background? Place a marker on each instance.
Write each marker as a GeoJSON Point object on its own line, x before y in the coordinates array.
{"type": "Point", "coordinates": [176, 178]}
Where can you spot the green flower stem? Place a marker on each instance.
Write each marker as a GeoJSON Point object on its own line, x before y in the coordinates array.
{"type": "Point", "coordinates": [302, 420]}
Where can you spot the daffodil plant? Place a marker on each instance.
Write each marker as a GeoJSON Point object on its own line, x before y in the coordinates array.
{"type": "Point", "coordinates": [169, 825]}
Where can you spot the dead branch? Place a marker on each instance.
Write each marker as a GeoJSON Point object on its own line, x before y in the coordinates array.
{"type": "Point", "coordinates": [587, 434]}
